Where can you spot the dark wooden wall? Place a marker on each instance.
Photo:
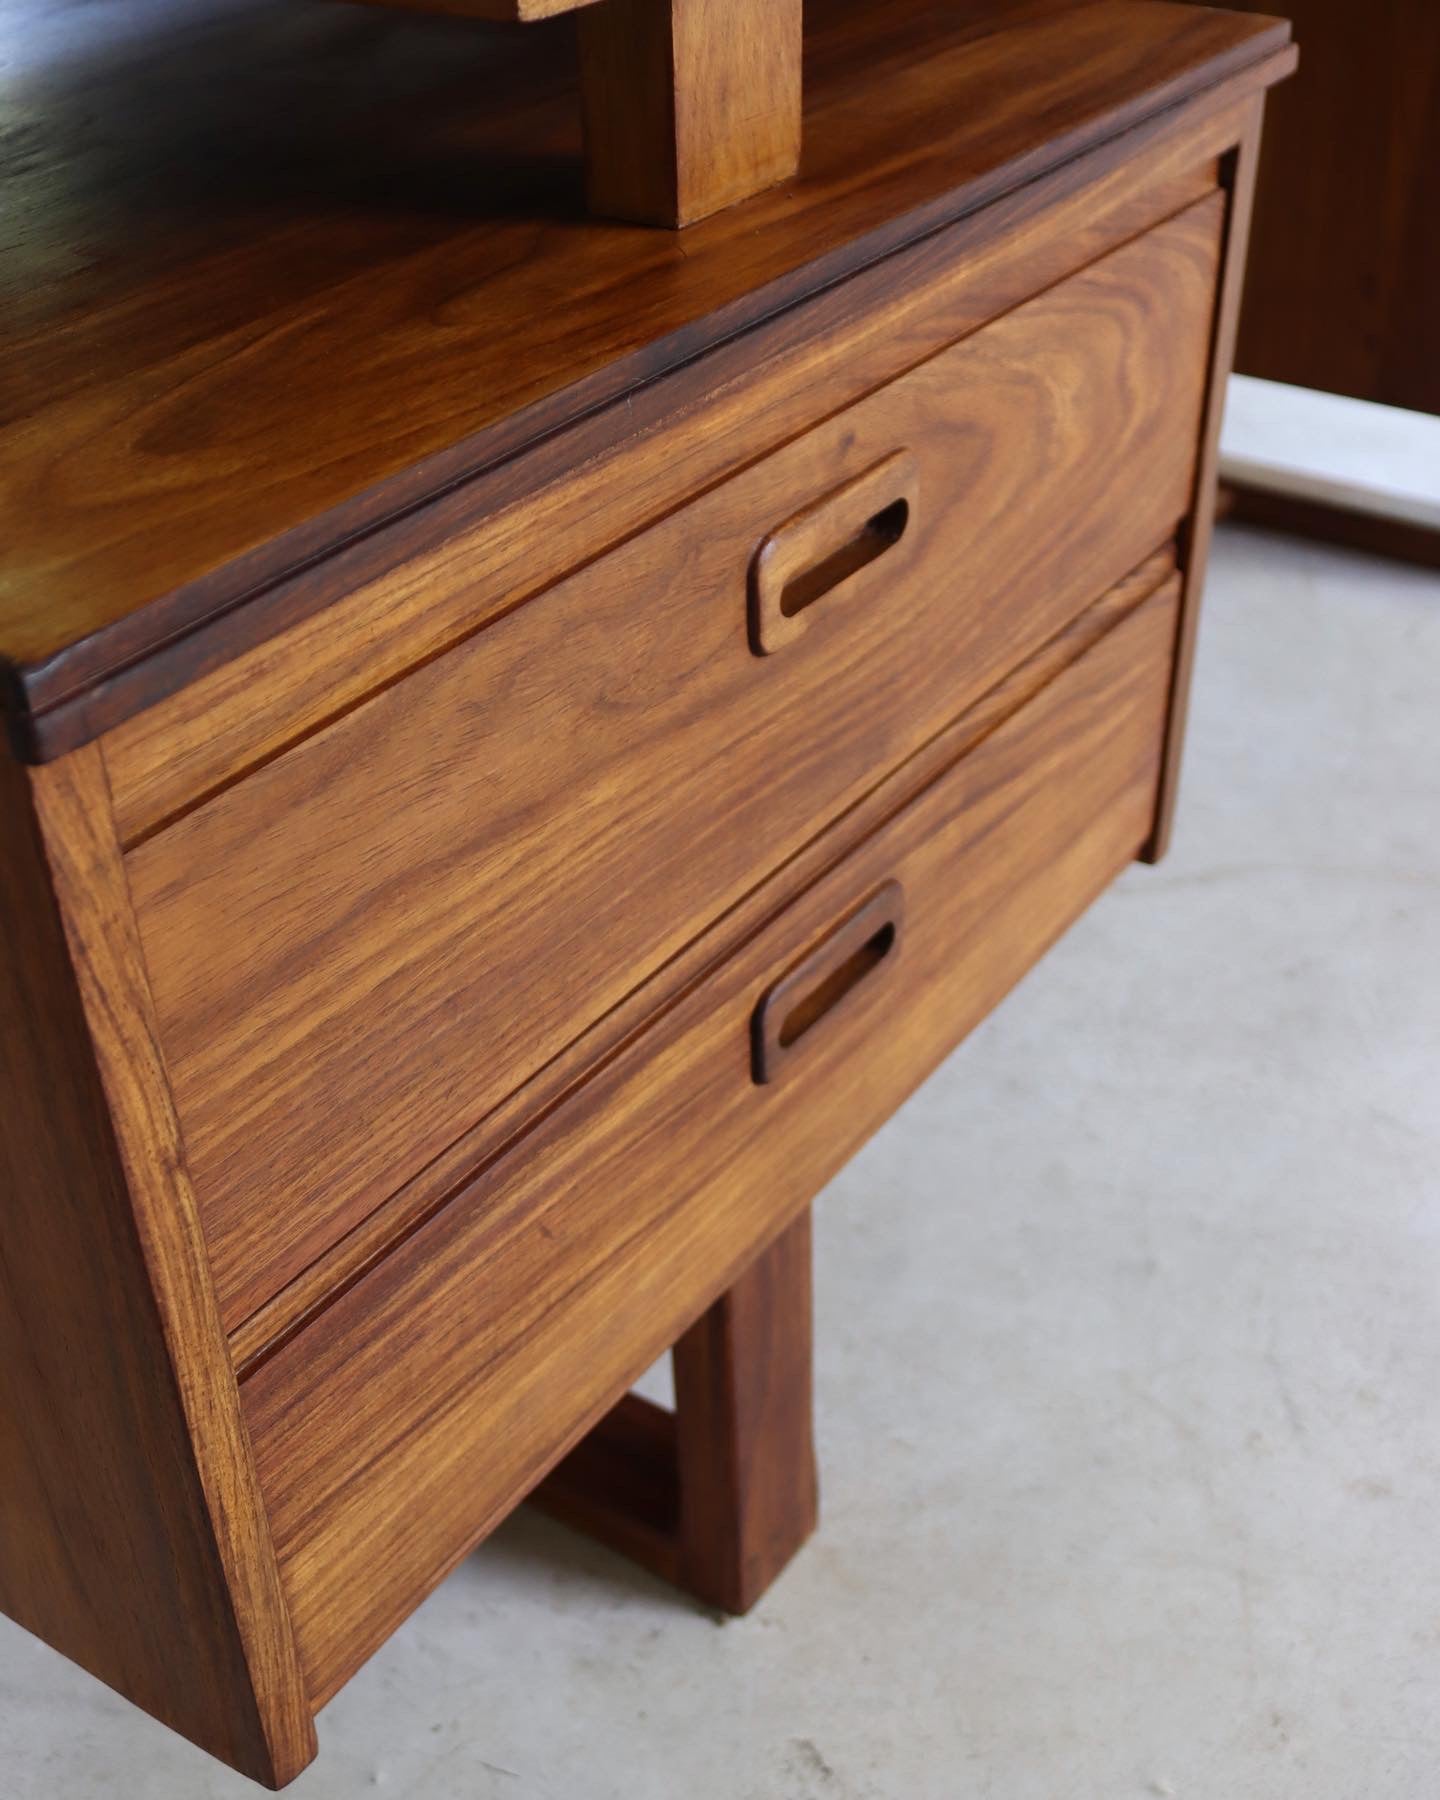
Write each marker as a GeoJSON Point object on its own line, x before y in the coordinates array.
{"type": "Point", "coordinates": [1344, 284]}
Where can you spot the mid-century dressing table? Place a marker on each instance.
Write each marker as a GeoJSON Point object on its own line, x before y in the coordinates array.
{"type": "Point", "coordinates": [579, 598]}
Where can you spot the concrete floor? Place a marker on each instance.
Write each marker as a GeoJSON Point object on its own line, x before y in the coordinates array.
{"type": "Point", "coordinates": [1129, 1330]}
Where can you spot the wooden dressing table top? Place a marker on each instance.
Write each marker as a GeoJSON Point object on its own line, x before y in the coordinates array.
{"type": "Point", "coordinates": [277, 275]}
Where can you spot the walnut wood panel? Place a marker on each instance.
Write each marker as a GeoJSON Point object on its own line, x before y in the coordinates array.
{"type": "Point", "coordinates": [461, 561]}
{"type": "Point", "coordinates": [415, 1410]}
{"type": "Point", "coordinates": [690, 105]}
{"type": "Point", "coordinates": [1343, 290]}
{"type": "Point", "coordinates": [251, 308]}
{"type": "Point", "coordinates": [494, 852]}
{"type": "Point", "coordinates": [131, 1534]}
{"type": "Point", "coordinates": [436, 1183]}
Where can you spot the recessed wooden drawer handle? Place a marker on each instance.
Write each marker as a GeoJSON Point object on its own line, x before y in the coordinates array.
{"type": "Point", "coordinates": [788, 1020]}
{"type": "Point", "coordinates": [828, 551]}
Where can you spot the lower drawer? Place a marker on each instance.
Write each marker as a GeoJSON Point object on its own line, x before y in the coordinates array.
{"type": "Point", "coordinates": [402, 1423]}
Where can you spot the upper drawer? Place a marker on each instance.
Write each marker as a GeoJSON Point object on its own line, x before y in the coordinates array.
{"type": "Point", "coordinates": [367, 944]}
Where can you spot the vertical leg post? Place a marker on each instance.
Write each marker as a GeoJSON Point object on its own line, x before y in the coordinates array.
{"type": "Point", "coordinates": [749, 1493]}
{"type": "Point", "coordinates": [720, 1494]}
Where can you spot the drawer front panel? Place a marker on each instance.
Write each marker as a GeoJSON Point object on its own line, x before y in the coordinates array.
{"type": "Point", "coordinates": [409, 1416]}
{"type": "Point", "coordinates": [369, 943]}
{"type": "Point", "coordinates": [446, 571]}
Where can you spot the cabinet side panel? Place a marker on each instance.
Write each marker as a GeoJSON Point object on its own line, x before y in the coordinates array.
{"type": "Point", "coordinates": [131, 1537]}
{"type": "Point", "coordinates": [1241, 165]}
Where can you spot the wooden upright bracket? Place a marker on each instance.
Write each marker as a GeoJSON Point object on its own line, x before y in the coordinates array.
{"type": "Point", "coordinates": [690, 105]}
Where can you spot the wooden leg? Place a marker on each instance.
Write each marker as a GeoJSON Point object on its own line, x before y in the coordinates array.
{"type": "Point", "coordinates": [690, 105]}
{"type": "Point", "coordinates": [749, 1495]}
{"type": "Point", "coordinates": [720, 1494]}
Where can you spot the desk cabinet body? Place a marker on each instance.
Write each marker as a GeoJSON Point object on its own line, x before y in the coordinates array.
{"type": "Point", "coordinates": [530, 738]}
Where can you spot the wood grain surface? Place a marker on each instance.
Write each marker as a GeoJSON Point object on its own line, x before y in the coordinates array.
{"type": "Point", "coordinates": [131, 1532]}
{"type": "Point", "coordinates": [246, 318]}
{"type": "Point", "coordinates": [463, 560]}
{"type": "Point", "coordinates": [476, 659]}
{"type": "Point", "coordinates": [497, 850]}
{"type": "Point", "coordinates": [690, 105]}
{"type": "Point", "coordinates": [436, 1184]}
{"type": "Point", "coordinates": [395, 1430]}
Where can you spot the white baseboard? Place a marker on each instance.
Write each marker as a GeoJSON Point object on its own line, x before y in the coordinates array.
{"type": "Point", "coordinates": [1324, 448]}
